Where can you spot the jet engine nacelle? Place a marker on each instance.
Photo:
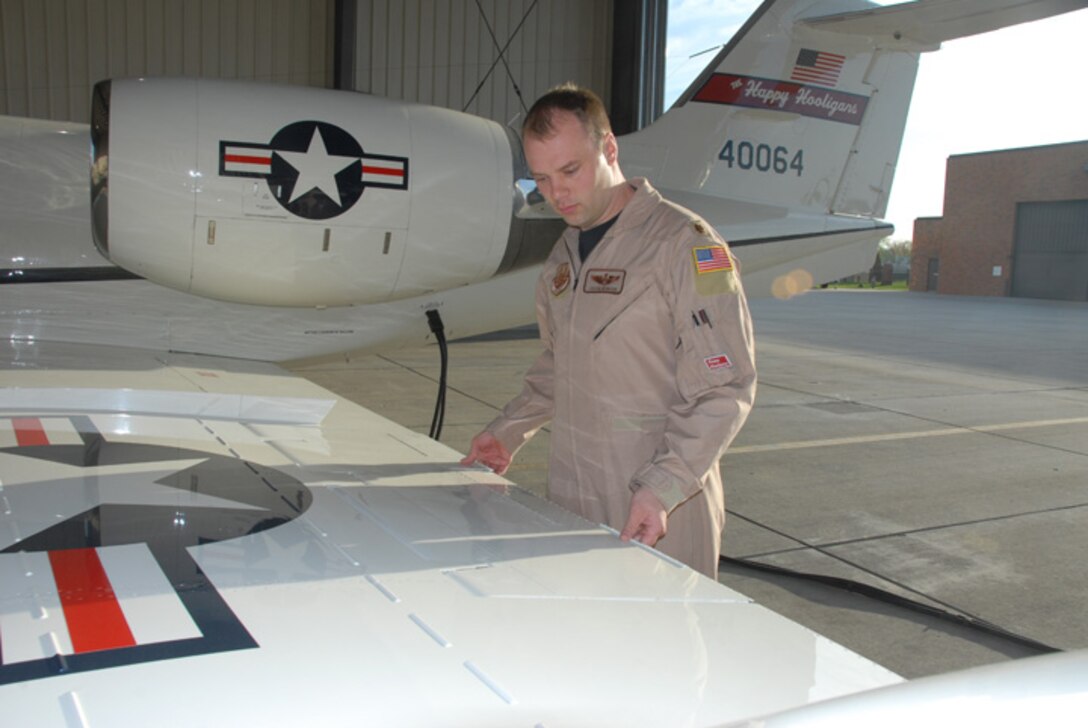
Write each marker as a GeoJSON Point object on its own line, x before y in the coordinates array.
{"type": "Point", "coordinates": [296, 196]}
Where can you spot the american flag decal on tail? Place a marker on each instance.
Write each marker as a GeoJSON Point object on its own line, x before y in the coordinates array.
{"type": "Point", "coordinates": [817, 67]}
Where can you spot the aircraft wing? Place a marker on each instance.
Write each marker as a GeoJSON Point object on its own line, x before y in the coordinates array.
{"type": "Point", "coordinates": [197, 541]}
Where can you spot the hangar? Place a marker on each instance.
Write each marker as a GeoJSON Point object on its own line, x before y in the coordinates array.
{"type": "Point", "coordinates": [490, 58]}
{"type": "Point", "coordinates": [1015, 224]}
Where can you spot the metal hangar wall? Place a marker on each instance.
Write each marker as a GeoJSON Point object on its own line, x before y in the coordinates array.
{"type": "Point", "coordinates": [487, 57]}
{"type": "Point", "coordinates": [491, 58]}
{"type": "Point", "coordinates": [54, 51]}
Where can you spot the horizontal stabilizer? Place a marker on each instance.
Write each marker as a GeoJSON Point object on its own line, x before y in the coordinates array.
{"type": "Point", "coordinates": [925, 24]}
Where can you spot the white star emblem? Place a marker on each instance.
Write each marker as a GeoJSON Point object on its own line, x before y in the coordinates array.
{"type": "Point", "coordinates": [58, 492]}
{"type": "Point", "coordinates": [317, 169]}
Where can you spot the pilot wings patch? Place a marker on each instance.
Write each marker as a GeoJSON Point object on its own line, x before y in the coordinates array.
{"type": "Point", "coordinates": [605, 280]}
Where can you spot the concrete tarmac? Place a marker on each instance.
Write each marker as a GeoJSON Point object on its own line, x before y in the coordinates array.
{"type": "Point", "coordinates": [935, 447]}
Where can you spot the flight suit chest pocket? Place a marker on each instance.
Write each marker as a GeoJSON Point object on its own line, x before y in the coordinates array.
{"type": "Point", "coordinates": [641, 309]}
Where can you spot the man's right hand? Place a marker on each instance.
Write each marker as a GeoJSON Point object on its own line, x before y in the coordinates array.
{"type": "Point", "coordinates": [488, 450]}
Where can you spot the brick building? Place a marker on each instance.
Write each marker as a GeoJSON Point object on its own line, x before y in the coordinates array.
{"type": "Point", "coordinates": [1015, 224]}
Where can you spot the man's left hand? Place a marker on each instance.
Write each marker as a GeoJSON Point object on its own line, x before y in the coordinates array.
{"type": "Point", "coordinates": [646, 519]}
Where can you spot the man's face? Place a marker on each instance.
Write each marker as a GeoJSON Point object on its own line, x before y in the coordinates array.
{"type": "Point", "coordinates": [572, 172]}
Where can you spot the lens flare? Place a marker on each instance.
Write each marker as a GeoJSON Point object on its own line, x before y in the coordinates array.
{"type": "Point", "coordinates": [791, 284]}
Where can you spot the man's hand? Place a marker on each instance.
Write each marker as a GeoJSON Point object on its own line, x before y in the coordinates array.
{"type": "Point", "coordinates": [646, 519]}
{"type": "Point", "coordinates": [488, 450]}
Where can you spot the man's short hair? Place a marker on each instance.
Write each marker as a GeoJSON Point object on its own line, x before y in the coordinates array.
{"type": "Point", "coordinates": [581, 102]}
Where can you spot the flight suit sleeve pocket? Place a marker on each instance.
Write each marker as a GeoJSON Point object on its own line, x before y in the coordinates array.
{"type": "Point", "coordinates": [704, 361]}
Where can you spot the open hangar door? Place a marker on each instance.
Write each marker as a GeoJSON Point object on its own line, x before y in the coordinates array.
{"type": "Point", "coordinates": [1050, 258]}
{"type": "Point", "coordinates": [491, 58]}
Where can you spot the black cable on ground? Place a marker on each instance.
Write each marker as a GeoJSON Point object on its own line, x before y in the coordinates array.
{"type": "Point", "coordinates": [434, 320]}
{"type": "Point", "coordinates": [882, 595]}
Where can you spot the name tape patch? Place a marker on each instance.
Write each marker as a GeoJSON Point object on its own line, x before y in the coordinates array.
{"type": "Point", "coordinates": [718, 361]}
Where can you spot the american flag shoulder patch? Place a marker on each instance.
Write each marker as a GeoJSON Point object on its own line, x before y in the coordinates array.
{"type": "Point", "coordinates": [711, 258]}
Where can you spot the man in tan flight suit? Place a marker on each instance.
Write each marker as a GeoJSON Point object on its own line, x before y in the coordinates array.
{"type": "Point", "coordinates": [648, 368]}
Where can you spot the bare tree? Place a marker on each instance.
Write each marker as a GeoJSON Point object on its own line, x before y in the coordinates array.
{"type": "Point", "coordinates": [891, 250]}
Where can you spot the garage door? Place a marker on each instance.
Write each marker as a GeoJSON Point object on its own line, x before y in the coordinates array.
{"type": "Point", "coordinates": [1051, 256]}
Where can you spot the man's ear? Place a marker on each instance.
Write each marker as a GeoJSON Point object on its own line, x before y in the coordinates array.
{"type": "Point", "coordinates": [610, 148]}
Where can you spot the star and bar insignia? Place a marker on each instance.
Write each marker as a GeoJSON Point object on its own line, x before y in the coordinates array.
{"type": "Point", "coordinates": [115, 562]}
{"type": "Point", "coordinates": [315, 170]}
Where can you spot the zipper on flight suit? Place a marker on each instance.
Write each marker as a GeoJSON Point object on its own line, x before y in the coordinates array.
{"type": "Point", "coordinates": [576, 273]}
{"type": "Point", "coordinates": [575, 267]}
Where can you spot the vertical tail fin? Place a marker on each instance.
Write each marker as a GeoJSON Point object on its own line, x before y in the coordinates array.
{"type": "Point", "coordinates": [787, 115]}
{"type": "Point", "coordinates": [805, 107]}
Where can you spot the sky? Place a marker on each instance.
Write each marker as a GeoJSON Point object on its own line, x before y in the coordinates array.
{"type": "Point", "coordinates": [1021, 86]}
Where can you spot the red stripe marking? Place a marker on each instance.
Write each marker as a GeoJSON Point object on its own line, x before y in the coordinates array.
{"type": "Point", "coordinates": [244, 159]}
{"type": "Point", "coordinates": [94, 616]}
{"type": "Point", "coordinates": [29, 432]}
{"type": "Point", "coordinates": [391, 171]}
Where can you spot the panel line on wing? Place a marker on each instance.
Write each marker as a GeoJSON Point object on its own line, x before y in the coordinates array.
{"type": "Point", "coordinates": [382, 588]}
{"type": "Point", "coordinates": [431, 631]}
{"type": "Point", "coordinates": [380, 523]}
{"type": "Point", "coordinates": [72, 707]}
{"type": "Point", "coordinates": [490, 683]}
{"type": "Point", "coordinates": [323, 537]}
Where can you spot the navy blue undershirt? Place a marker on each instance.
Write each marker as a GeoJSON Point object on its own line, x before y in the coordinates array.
{"type": "Point", "coordinates": [588, 239]}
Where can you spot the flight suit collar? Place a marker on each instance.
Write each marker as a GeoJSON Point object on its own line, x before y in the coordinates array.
{"type": "Point", "coordinates": [637, 210]}
{"type": "Point", "coordinates": [640, 206]}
